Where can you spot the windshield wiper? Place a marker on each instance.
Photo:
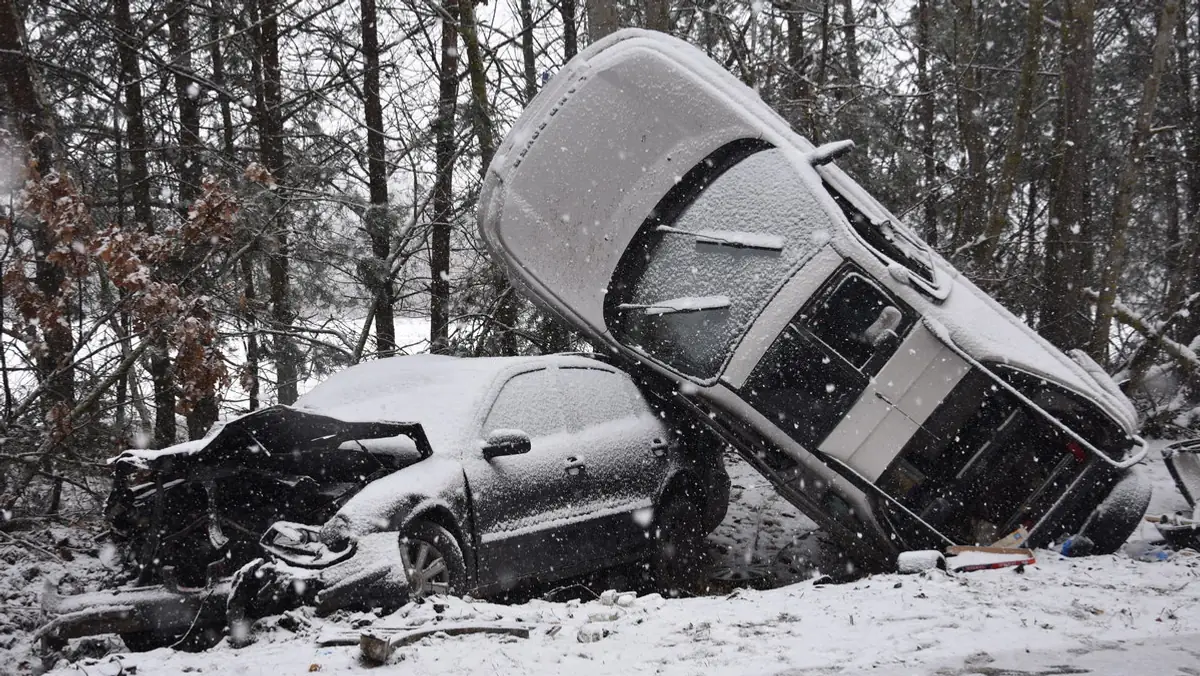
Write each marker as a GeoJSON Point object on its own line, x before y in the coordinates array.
{"type": "Point", "coordinates": [679, 305]}
{"type": "Point", "coordinates": [731, 238]}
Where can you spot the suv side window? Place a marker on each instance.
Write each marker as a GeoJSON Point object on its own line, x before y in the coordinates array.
{"type": "Point", "coordinates": [527, 402]}
{"type": "Point", "coordinates": [820, 363]}
{"type": "Point", "coordinates": [594, 396]}
{"type": "Point", "coordinates": [853, 319]}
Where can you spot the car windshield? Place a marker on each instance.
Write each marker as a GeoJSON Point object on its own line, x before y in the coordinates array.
{"type": "Point", "coordinates": [720, 244]}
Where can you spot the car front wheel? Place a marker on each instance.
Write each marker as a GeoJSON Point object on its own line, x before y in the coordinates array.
{"type": "Point", "coordinates": [432, 560]}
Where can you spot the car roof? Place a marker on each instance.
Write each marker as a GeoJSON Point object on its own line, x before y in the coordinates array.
{"type": "Point", "coordinates": [443, 393]}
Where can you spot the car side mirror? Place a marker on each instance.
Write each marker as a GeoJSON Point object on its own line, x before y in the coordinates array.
{"type": "Point", "coordinates": [505, 442]}
{"type": "Point", "coordinates": [883, 329]}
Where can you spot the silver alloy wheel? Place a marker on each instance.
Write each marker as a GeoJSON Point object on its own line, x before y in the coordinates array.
{"type": "Point", "coordinates": [425, 566]}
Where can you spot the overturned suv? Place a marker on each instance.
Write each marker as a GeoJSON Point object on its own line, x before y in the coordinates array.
{"type": "Point", "coordinates": [520, 469]}
{"type": "Point", "coordinates": [732, 263]}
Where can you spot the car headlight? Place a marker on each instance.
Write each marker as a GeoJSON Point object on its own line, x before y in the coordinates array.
{"type": "Point", "coordinates": [335, 534]}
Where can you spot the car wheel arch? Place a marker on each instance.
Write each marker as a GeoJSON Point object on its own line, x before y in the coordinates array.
{"type": "Point", "coordinates": [440, 514]}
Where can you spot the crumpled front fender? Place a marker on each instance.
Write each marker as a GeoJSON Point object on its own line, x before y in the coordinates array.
{"type": "Point", "coordinates": [390, 503]}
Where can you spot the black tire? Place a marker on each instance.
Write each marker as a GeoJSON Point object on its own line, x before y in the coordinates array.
{"type": "Point", "coordinates": [677, 561]}
{"type": "Point", "coordinates": [433, 561]}
{"type": "Point", "coordinates": [1111, 524]}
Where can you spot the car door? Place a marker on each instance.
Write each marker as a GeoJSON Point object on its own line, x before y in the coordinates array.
{"type": "Point", "coordinates": [524, 504]}
{"type": "Point", "coordinates": [825, 358]}
{"type": "Point", "coordinates": [622, 448]}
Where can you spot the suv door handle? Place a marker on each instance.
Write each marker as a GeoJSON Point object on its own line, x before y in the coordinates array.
{"type": "Point", "coordinates": [574, 465]}
{"type": "Point", "coordinates": [658, 448]}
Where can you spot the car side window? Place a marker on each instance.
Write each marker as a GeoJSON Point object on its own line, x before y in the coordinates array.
{"type": "Point", "coordinates": [858, 321]}
{"type": "Point", "coordinates": [527, 402]}
{"type": "Point", "coordinates": [594, 396]}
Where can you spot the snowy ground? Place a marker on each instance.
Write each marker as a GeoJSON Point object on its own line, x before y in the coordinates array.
{"type": "Point", "coordinates": [1099, 615]}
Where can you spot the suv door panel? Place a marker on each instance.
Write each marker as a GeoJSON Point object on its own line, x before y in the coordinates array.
{"type": "Point", "coordinates": [895, 403]}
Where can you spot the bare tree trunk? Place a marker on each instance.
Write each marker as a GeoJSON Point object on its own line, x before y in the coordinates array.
{"type": "Point", "coordinates": [443, 188]}
{"type": "Point", "coordinates": [139, 190]}
{"type": "Point", "coordinates": [972, 199]}
{"type": "Point", "coordinates": [270, 132]}
{"type": "Point", "coordinates": [203, 412]}
{"type": "Point", "coordinates": [825, 27]}
{"type": "Point", "coordinates": [35, 127]}
{"type": "Point", "coordinates": [378, 215]}
{"type": "Point", "coordinates": [528, 60]}
{"type": "Point", "coordinates": [1189, 273]}
{"type": "Point", "coordinates": [481, 118]}
{"type": "Point", "coordinates": [925, 85]}
{"type": "Point", "coordinates": [602, 18]}
{"type": "Point", "coordinates": [507, 308]}
{"type": "Point", "coordinates": [1063, 318]}
{"type": "Point", "coordinates": [1015, 150]}
{"type": "Point", "coordinates": [1118, 229]}
{"type": "Point", "coordinates": [797, 90]}
{"type": "Point", "coordinates": [850, 38]}
{"type": "Point", "coordinates": [658, 15]}
{"type": "Point", "coordinates": [566, 9]}
{"type": "Point", "coordinates": [250, 370]}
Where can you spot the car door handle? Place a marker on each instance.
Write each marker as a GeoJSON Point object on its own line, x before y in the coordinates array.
{"type": "Point", "coordinates": [658, 448]}
{"type": "Point", "coordinates": [574, 465]}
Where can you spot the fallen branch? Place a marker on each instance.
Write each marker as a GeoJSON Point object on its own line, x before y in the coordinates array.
{"type": "Point", "coordinates": [30, 545]}
{"type": "Point", "coordinates": [1182, 355]}
{"type": "Point", "coordinates": [377, 645]}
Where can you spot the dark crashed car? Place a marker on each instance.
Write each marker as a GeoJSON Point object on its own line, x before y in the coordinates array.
{"type": "Point", "coordinates": [730, 261]}
{"type": "Point", "coordinates": [502, 471]}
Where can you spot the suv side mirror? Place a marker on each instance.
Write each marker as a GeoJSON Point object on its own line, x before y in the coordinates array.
{"type": "Point", "coordinates": [505, 442]}
{"type": "Point", "coordinates": [883, 329]}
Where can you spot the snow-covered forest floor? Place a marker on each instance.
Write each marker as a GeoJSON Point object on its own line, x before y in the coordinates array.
{"type": "Point", "coordinates": [1099, 615]}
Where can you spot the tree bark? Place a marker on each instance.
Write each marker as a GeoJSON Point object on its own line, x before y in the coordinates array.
{"type": "Point", "coordinates": [1062, 318]}
{"type": "Point", "coordinates": [658, 15]}
{"type": "Point", "coordinates": [567, 10]}
{"type": "Point", "coordinates": [797, 91]}
{"type": "Point", "coordinates": [1118, 229]}
{"type": "Point", "coordinates": [378, 215]}
{"type": "Point", "coordinates": [528, 60]}
{"type": "Point", "coordinates": [271, 151]}
{"type": "Point", "coordinates": [602, 18]}
{"type": "Point", "coordinates": [925, 85]}
{"type": "Point", "coordinates": [1015, 150]}
{"type": "Point", "coordinates": [443, 188]}
{"type": "Point", "coordinates": [972, 196]}
{"type": "Point", "coordinates": [250, 378]}
{"type": "Point", "coordinates": [128, 42]}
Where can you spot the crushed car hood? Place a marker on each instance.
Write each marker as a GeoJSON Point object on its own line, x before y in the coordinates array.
{"type": "Point", "coordinates": [278, 430]}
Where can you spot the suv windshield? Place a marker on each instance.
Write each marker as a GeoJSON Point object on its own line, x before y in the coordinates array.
{"type": "Point", "coordinates": [719, 245]}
